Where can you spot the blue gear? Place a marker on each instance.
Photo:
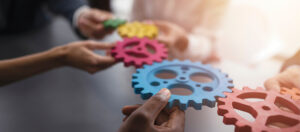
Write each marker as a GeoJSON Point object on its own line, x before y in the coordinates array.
{"type": "Point", "coordinates": [146, 83]}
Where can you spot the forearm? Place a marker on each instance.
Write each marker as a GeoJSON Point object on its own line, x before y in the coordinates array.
{"type": "Point", "coordinates": [16, 69]}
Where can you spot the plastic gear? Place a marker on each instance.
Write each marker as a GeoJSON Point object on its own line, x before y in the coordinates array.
{"type": "Point", "coordinates": [113, 23]}
{"type": "Point", "coordinates": [137, 52]}
{"type": "Point", "coordinates": [294, 92]}
{"type": "Point", "coordinates": [138, 29]}
{"type": "Point", "coordinates": [147, 83]}
{"type": "Point", "coordinates": [265, 112]}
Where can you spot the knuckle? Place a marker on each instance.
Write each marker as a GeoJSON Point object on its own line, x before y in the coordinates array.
{"type": "Point", "coordinates": [142, 116]}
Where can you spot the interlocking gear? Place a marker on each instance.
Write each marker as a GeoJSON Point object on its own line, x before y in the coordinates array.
{"type": "Point", "coordinates": [137, 52]}
{"type": "Point", "coordinates": [113, 23]}
{"type": "Point", "coordinates": [149, 80]}
{"type": "Point", "coordinates": [294, 92]}
{"type": "Point", "coordinates": [138, 29]}
{"type": "Point", "coordinates": [267, 113]}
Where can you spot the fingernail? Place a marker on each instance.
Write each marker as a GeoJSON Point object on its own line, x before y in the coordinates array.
{"type": "Point", "coordinates": [164, 93]}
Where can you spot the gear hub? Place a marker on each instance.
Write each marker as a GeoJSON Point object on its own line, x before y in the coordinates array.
{"type": "Point", "coordinates": [148, 80]}
{"type": "Point", "coordinates": [274, 113]}
{"type": "Point", "coordinates": [137, 52]}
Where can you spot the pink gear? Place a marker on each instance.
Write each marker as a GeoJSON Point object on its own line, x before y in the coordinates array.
{"type": "Point", "coordinates": [136, 51]}
{"type": "Point", "coordinates": [267, 112]}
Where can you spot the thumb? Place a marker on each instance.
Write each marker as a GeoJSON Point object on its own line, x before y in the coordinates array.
{"type": "Point", "coordinates": [156, 103]}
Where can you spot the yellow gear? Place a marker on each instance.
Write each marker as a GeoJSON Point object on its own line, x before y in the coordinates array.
{"type": "Point", "coordinates": [138, 29]}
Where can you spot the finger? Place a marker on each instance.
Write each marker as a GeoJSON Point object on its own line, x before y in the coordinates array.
{"type": "Point", "coordinates": [155, 104]}
{"type": "Point", "coordinates": [127, 110]}
{"type": "Point", "coordinates": [177, 119]}
{"type": "Point", "coordinates": [99, 45]}
{"type": "Point", "coordinates": [91, 30]}
{"type": "Point", "coordinates": [125, 118]}
{"type": "Point", "coordinates": [99, 16]}
{"type": "Point", "coordinates": [106, 60]}
{"type": "Point", "coordinates": [272, 84]}
{"type": "Point", "coordinates": [90, 25]}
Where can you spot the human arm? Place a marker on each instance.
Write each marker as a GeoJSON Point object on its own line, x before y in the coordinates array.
{"type": "Point", "coordinates": [86, 21]}
{"type": "Point", "coordinates": [78, 54]}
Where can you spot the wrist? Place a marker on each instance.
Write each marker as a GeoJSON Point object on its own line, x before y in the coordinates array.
{"type": "Point", "coordinates": [59, 54]}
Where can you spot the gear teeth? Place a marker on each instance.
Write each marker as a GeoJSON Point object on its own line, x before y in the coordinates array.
{"type": "Point", "coordinates": [230, 85]}
{"type": "Point", "coordinates": [138, 90]}
{"type": "Point", "coordinates": [260, 88]}
{"type": "Point", "coordinates": [228, 119]}
{"type": "Point", "coordinates": [139, 70]}
{"type": "Point", "coordinates": [135, 75]}
{"type": "Point", "coordinates": [175, 61]}
{"type": "Point", "coordinates": [221, 95]}
{"type": "Point", "coordinates": [146, 66]}
{"type": "Point", "coordinates": [209, 103]}
{"type": "Point", "coordinates": [198, 63]}
{"type": "Point", "coordinates": [197, 106]}
{"type": "Point", "coordinates": [209, 66]}
{"type": "Point", "coordinates": [146, 95]}
{"type": "Point", "coordinates": [187, 61]}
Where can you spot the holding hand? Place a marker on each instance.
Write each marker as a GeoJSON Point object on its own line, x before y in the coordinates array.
{"type": "Point", "coordinates": [295, 60]}
{"type": "Point", "coordinates": [90, 23]}
{"type": "Point", "coordinates": [81, 55]}
{"type": "Point", "coordinates": [172, 35]}
{"type": "Point", "coordinates": [152, 117]}
{"type": "Point", "coordinates": [289, 78]}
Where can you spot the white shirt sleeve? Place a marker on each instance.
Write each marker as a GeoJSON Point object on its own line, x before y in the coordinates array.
{"type": "Point", "coordinates": [77, 14]}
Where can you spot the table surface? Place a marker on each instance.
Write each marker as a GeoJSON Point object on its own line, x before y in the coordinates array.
{"type": "Point", "coordinates": [70, 100]}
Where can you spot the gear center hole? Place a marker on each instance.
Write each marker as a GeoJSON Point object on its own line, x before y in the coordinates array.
{"type": "Point", "coordinates": [181, 89]}
{"type": "Point", "coordinates": [136, 54]}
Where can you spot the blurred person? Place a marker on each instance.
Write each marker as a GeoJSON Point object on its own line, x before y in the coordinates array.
{"type": "Point", "coordinates": [152, 116]}
{"type": "Point", "coordinates": [77, 54]}
{"type": "Point", "coordinates": [288, 77]}
{"type": "Point", "coordinates": [17, 16]}
{"type": "Point", "coordinates": [196, 22]}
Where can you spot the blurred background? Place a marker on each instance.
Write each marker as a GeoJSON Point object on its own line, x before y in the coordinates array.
{"type": "Point", "coordinates": [251, 37]}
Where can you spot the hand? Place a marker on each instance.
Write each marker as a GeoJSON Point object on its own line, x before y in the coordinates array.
{"type": "Point", "coordinates": [289, 78]}
{"type": "Point", "coordinates": [172, 35]}
{"type": "Point", "coordinates": [152, 117]}
{"type": "Point", "coordinates": [295, 60]}
{"type": "Point", "coordinates": [90, 23]}
{"type": "Point", "coordinates": [81, 55]}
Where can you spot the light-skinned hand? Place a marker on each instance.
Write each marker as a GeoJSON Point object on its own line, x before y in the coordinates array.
{"type": "Point", "coordinates": [90, 23]}
{"type": "Point", "coordinates": [80, 55]}
{"type": "Point", "coordinates": [289, 78]}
